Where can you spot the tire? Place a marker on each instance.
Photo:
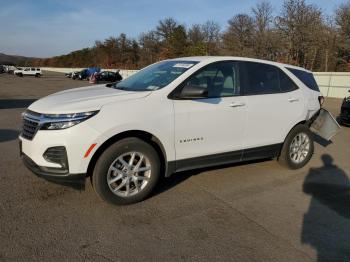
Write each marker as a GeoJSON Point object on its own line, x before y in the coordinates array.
{"type": "Point", "coordinates": [302, 154]}
{"type": "Point", "coordinates": [110, 166]}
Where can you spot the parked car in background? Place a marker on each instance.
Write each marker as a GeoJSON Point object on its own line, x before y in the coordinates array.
{"type": "Point", "coordinates": [108, 76]}
{"type": "Point", "coordinates": [75, 75]}
{"type": "Point", "coordinates": [83, 74]}
{"type": "Point", "coordinates": [86, 73]}
{"type": "Point", "coordinates": [11, 69]}
{"type": "Point", "coordinates": [2, 69]}
{"type": "Point", "coordinates": [345, 111]}
{"type": "Point", "coordinates": [172, 116]}
{"type": "Point", "coordinates": [28, 71]}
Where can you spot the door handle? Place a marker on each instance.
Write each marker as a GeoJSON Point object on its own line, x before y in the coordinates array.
{"type": "Point", "coordinates": [293, 100]}
{"type": "Point", "coordinates": [237, 104]}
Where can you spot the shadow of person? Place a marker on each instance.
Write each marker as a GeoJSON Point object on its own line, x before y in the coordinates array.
{"type": "Point", "coordinates": [326, 224]}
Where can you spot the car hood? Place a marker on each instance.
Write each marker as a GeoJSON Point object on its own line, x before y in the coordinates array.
{"type": "Point", "coordinates": [83, 99]}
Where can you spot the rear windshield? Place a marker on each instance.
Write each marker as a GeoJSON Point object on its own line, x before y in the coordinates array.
{"type": "Point", "coordinates": [305, 77]}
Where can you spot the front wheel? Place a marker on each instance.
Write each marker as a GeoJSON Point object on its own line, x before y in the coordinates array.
{"type": "Point", "coordinates": [126, 172]}
{"type": "Point", "coordinates": [298, 148]}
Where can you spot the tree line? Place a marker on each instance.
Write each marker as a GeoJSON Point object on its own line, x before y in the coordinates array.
{"type": "Point", "coordinates": [300, 34]}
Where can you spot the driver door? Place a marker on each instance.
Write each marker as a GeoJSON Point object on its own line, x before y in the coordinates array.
{"type": "Point", "coordinates": [211, 129]}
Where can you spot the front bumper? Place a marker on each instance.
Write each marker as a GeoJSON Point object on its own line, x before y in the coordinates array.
{"type": "Point", "coordinates": [51, 173]}
{"type": "Point", "coordinates": [76, 141]}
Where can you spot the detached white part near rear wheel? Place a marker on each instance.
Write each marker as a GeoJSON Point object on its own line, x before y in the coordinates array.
{"type": "Point", "coordinates": [126, 172]}
{"type": "Point", "coordinates": [298, 148]}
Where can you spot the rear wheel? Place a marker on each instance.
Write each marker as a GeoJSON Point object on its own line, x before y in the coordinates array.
{"type": "Point", "coordinates": [126, 172]}
{"type": "Point", "coordinates": [298, 148]}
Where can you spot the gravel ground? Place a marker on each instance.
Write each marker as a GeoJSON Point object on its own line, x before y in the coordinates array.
{"type": "Point", "coordinates": [256, 211]}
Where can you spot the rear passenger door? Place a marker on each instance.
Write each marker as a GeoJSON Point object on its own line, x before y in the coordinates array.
{"type": "Point", "coordinates": [274, 106]}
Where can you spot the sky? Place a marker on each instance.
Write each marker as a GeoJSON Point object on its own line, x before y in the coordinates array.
{"type": "Point", "coordinates": [54, 27]}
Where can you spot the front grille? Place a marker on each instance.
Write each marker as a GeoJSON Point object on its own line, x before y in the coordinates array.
{"type": "Point", "coordinates": [29, 127]}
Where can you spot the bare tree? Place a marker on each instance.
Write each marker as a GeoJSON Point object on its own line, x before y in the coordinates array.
{"type": "Point", "coordinates": [238, 38]}
{"type": "Point", "coordinates": [196, 35]}
{"type": "Point", "coordinates": [150, 47]}
{"type": "Point", "coordinates": [264, 45]}
{"type": "Point", "coordinates": [342, 18]}
{"type": "Point", "coordinates": [211, 33]}
{"type": "Point", "coordinates": [299, 24]}
{"type": "Point", "coordinates": [196, 38]}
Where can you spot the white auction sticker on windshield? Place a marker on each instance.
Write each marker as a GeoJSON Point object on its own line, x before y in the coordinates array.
{"type": "Point", "coordinates": [183, 65]}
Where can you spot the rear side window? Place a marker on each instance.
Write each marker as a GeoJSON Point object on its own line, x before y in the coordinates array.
{"type": "Point", "coordinates": [305, 77]}
{"type": "Point", "coordinates": [260, 78]}
{"type": "Point", "coordinates": [286, 84]}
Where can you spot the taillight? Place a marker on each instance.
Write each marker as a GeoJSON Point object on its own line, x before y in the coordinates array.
{"type": "Point", "coordinates": [321, 100]}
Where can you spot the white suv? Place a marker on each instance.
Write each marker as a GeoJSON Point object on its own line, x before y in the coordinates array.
{"type": "Point", "coordinates": [29, 71]}
{"type": "Point", "coordinates": [172, 116]}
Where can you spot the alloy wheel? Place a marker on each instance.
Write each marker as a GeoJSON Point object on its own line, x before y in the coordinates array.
{"type": "Point", "coordinates": [299, 148]}
{"type": "Point", "coordinates": [129, 174]}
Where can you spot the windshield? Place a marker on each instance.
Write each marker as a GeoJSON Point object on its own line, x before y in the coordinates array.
{"type": "Point", "coordinates": [155, 76]}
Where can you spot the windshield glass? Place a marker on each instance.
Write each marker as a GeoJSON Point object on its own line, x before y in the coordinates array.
{"type": "Point", "coordinates": [155, 76]}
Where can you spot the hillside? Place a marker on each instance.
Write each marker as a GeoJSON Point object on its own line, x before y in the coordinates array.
{"type": "Point", "coordinates": [15, 60]}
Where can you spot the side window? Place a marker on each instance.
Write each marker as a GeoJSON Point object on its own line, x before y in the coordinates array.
{"type": "Point", "coordinates": [27, 69]}
{"type": "Point", "coordinates": [259, 78]}
{"type": "Point", "coordinates": [305, 77]}
{"type": "Point", "coordinates": [221, 79]}
{"type": "Point", "coordinates": [286, 84]}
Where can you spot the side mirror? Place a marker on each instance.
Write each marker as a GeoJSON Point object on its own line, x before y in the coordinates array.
{"type": "Point", "coordinates": [192, 92]}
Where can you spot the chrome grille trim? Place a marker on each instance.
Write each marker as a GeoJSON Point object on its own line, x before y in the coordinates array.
{"type": "Point", "coordinates": [30, 124]}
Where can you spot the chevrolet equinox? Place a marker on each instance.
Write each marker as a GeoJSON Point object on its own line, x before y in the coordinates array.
{"type": "Point", "coordinates": [172, 116]}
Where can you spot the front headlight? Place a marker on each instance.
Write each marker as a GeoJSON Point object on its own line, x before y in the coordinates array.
{"type": "Point", "coordinates": [63, 121]}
